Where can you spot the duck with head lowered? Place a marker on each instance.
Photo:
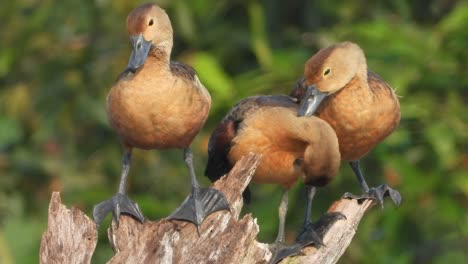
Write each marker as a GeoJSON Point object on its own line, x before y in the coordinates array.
{"type": "Point", "coordinates": [362, 108]}
{"type": "Point", "coordinates": [291, 146]}
{"type": "Point", "coordinates": [157, 103]}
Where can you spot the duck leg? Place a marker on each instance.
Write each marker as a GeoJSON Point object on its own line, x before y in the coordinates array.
{"type": "Point", "coordinates": [307, 235]}
{"type": "Point", "coordinates": [201, 202]}
{"type": "Point", "coordinates": [282, 211]}
{"type": "Point", "coordinates": [279, 249]}
{"type": "Point", "coordinates": [376, 193]}
{"type": "Point", "coordinates": [119, 203]}
{"type": "Point", "coordinates": [312, 233]}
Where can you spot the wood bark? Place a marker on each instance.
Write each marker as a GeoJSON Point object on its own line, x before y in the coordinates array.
{"type": "Point", "coordinates": [223, 237]}
{"type": "Point", "coordinates": [71, 236]}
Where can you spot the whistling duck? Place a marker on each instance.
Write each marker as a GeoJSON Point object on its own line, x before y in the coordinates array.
{"type": "Point", "coordinates": [157, 104]}
{"type": "Point", "coordinates": [291, 146]}
{"type": "Point", "coordinates": [361, 107]}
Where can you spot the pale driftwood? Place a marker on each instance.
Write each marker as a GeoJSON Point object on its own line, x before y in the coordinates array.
{"type": "Point", "coordinates": [338, 237]}
{"type": "Point", "coordinates": [223, 237]}
{"type": "Point", "coordinates": [71, 236]}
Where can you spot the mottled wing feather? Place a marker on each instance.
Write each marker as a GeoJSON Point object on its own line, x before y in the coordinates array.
{"type": "Point", "coordinates": [253, 103]}
{"type": "Point", "coordinates": [218, 148]}
{"type": "Point", "coordinates": [182, 70]}
{"type": "Point", "coordinates": [376, 83]}
{"type": "Point", "coordinates": [221, 139]}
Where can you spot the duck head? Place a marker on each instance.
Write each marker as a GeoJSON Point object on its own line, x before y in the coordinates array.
{"type": "Point", "coordinates": [148, 26]}
{"type": "Point", "coordinates": [329, 71]}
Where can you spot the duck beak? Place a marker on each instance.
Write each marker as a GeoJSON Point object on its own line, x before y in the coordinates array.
{"type": "Point", "coordinates": [141, 48]}
{"type": "Point", "coordinates": [311, 101]}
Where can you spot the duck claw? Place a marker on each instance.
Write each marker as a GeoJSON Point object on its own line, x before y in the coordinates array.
{"type": "Point", "coordinates": [378, 194]}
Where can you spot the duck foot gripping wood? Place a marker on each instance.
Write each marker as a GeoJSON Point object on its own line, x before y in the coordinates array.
{"type": "Point", "coordinates": [201, 202]}
{"type": "Point", "coordinates": [376, 193]}
{"type": "Point", "coordinates": [310, 234]}
{"type": "Point", "coordinates": [119, 203]}
{"type": "Point", "coordinates": [71, 236]}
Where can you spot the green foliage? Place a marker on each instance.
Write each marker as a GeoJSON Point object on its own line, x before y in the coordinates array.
{"type": "Point", "coordinates": [59, 58]}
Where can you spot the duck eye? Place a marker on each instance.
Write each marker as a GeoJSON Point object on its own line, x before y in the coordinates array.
{"type": "Point", "coordinates": [151, 22]}
{"type": "Point", "coordinates": [326, 72]}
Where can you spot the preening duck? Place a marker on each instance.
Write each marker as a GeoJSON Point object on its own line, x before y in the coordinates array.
{"type": "Point", "coordinates": [292, 147]}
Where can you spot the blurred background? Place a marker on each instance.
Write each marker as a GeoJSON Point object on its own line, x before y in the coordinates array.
{"type": "Point", "coordinates": [58, 60]}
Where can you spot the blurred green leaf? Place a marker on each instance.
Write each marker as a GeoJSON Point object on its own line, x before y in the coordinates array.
{"type": "Point", "coordinates": [212, 75]}
{"type": "Point", "coordinates": [6, 59]}
{"type": "Point", "coordinates": [10, 131]}
{"type": "Point", "coordinates": [259, 36]}
{"type": "Point", "coordinates": [456, 20]}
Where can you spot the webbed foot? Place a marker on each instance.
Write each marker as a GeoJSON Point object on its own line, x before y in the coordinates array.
{"type": "Point", "coordinates": [310, 233]}
{"type": "Point", "coordinates": [313, 233]}
{"type": "Point", "coordinates": [378, 194]}
{"type": "Point", "coordinates": [118, 204]}
{"type": "Point", "coordinates": [199, 204]}
{"type": "Point", "coordinates": [281, 251]}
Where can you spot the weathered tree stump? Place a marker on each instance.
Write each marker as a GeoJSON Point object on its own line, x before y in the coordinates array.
{"type": "Point", "coordinates": [71, 236]}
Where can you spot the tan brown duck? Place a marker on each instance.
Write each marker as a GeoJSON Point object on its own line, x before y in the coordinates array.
{"type": "Point", "coordinates": [292, 148]}
{"type": "Point", "coordinates": [361, 107]}
{"type": "Point", "coordinates": [157, 103]}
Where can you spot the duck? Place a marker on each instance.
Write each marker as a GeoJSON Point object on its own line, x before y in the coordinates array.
{"type": "Point", "coordinates": [360, 106]}
{"type": "Point", "coordinates": [157, 103]}
{"type": "Point", "coordinates": [291, 146]}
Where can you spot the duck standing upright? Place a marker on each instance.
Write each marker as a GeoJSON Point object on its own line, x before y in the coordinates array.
{"type": "Point", "coordinates": [157, 104]}
{"type": "Point", "coordinates": [291, 146]}
{"type": "Point", "coordinates": [362, 109]}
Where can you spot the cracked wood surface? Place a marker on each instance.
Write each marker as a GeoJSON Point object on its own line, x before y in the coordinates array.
{"type": "Point", "coordinates": [71, 236]}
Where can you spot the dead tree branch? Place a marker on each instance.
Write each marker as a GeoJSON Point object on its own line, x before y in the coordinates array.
{"type": "Point", "coordinates": [71, 236]}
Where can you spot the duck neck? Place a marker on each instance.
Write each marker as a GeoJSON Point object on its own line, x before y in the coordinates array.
{"type": "Point", "coordinates": [161, 53]}
{"type": "Point", "coordinates": [361, 75]}
{"type": "Point", "coordinates": [358, 86]}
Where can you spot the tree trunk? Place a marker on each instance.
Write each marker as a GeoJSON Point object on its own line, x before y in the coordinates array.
{"type": "Point", "coordinates": [71, 236]}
